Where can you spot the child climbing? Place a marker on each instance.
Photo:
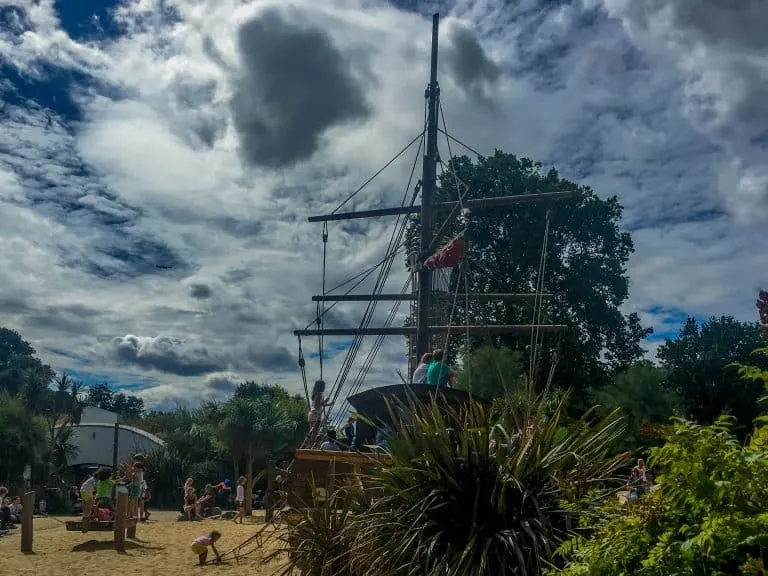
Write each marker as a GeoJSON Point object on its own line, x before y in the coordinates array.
{"type": "Point", "coordinates": [240, 499]}
{"type": "Point", "coordinates": [317, 403]}
{"type": "Point", "coordinates": [200, 546]}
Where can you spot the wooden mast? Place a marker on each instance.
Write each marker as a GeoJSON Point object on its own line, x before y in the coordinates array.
{"type": "Point", "coordinates": [428, 189]}
{"type": "Point", "coordinates": [427, 211]}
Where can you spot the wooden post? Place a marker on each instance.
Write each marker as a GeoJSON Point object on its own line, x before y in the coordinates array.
{"type": "Point", "coordinates": [27, 524]}
{"type": "Point", "coordinates": [268, 500]}
{"type": "Point", "coordinates": [131, 518]}
{"type": "Point", "coordinates": [121, 512]}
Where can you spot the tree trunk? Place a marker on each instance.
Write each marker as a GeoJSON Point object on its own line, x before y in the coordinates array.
{"type": "Point", "coordinates": [249, 484]}
{"type": "Point", "coordinates": [236, 477]}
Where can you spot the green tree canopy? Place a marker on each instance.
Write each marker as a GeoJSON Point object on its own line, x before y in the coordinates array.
{"type": "Point", "coordinates": [640, 394]}
{"type": "Point", "coordinates": [491, 372]}
{"type": "Point", "coordinates": [587, 255]}
{"type": "Point", "coordinates": [124, 405]}
{"type": "Point", "coordinates": [700, 369]}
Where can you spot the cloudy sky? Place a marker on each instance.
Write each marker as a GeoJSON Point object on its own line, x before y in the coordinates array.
{"type": "Point", "coordinates": [158, 160]}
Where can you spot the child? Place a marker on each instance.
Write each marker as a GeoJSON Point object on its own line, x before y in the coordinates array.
{"type": "Point", "coordinates": [104, 485]}
{"type": "Point", "coordinates": [16, 510]}
{"type": "Point", "coordinates": [103, 512]}
{"type": "Point", "coordinates": [190, 503]}
{"type": "Point", "coordinates": [200, 546]}
{"type": "Point", "coordinates": [240, 499]}
{"type": "Point", "coordinates": [146, 494]}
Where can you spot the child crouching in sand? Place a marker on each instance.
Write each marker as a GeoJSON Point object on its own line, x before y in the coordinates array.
{"type": "Point", "coordinates": [200, 546]}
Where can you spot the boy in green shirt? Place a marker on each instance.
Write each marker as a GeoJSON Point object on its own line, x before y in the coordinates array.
{"type": "Point", "coordinates": [438, 373]}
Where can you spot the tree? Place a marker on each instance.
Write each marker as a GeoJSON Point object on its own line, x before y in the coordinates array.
{"type": "Point", "coordinates": [22, 437]}
{"type": "Point", "coordinates": [100, 396]}
{"type": "Point", "coordinates": [585, 269]}
{"type": "Point", "coordinates": [491, 372]}
{"type": "Point", "coordinates": [17, 359]}
{"type": "Point", "coordinates": [700, 369]}
{"type": "Point", "coordinates": [124, 405]}
{"type": "Point", "coordinates": [644, 402]}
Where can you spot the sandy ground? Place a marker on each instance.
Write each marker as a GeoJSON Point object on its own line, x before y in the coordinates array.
{"type": "Point", "coordinates": [162, 548]}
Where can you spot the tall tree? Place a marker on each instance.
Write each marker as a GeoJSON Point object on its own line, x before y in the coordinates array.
{"type": "Point", "coordinates": [586, 261]}
{"type": "Point", "coordinates": [701, 369]}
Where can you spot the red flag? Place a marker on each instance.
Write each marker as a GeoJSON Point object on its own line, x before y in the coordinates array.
{"type": "Point", "coordinates": [447, 256]}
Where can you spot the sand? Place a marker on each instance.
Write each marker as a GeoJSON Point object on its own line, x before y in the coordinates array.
{"type": "Point", "coordinates": [162, 548]}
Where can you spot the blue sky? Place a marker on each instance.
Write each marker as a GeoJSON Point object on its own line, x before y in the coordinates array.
{"type": "Point", "coordinates": [152, 209]}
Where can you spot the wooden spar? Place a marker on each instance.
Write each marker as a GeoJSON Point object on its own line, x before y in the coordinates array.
{"type": "Point", "coordinates": [411, 330]}
{"type": "Point", "coordinates": [471, 203]}
{"type": "Point", "coordinates": [404, 297]}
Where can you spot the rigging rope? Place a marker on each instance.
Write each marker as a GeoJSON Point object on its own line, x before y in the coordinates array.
{"type": "Point", "coordinates": [538, 302]}
{"type": "Point", "coordinates": [460, 143]}
{"type": "Point", "coordinates": [372, 178]}
{"type": "Point", "coordinates": [395, 241]}
{"type": "Point", "coordinates": [366, 367]}
{"type": "Point", "coordinates": [303, 370]}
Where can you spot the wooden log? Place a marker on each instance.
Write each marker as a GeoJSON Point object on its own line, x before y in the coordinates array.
{"type": "Point", "coordinates": [120, 520]}
{"type": "Point", "coordinates": [27, 524]}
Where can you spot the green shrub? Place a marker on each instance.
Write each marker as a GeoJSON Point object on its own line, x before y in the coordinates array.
{"type": "Point", "coordinates": [709, 516]}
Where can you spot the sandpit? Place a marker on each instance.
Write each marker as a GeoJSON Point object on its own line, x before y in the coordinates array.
{"type": "Point", "coordinates": [162, 548]}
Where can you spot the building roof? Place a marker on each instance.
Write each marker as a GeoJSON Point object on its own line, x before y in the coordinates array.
{"type": "Point", "coordinates": [139, 431]}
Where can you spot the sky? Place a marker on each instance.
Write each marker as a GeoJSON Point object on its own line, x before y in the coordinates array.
{"type": "Point", "coordinates": [158, 160]}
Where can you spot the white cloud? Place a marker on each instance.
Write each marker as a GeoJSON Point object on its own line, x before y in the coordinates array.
{"type": "Point", "coordinates": [140, 216]}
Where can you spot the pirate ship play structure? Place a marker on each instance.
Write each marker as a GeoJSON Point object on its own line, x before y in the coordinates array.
{"type": "Point", "coordinates": [433, 260]}
{"type": "Point", "coordinates": [438, 272]}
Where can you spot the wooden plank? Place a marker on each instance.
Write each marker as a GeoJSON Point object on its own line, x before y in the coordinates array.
{"type": "Point", "coordinates": [360, 458]}
{"type": "Point", "coordinates": [27, 523]}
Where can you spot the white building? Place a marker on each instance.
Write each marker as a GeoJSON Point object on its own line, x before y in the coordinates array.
{"type": "Point", "coordinates": [95, 436]}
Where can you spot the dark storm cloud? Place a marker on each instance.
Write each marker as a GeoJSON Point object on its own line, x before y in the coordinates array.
{"type": "Point", "coordinates": [294, 85]}
{"type": "Point", "coordinates": [468, 62]}
{"type": "Point", "coordinates": [200, 291]}
{"type": "Point", "coordinates": [272, 357]}
{"type": "Point", "coordinates": [165, 355]}
{"type": "Point", "coordinates": [74, 318]}
{"type": "Point", "coordinates": [225, 382]}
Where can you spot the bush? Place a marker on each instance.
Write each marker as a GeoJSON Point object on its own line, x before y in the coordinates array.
{"type": "Point", "coordinates": [466, 494]}
{"type": "Point", "coordinates": [708, 517]}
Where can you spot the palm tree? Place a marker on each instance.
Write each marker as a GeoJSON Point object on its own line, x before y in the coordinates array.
{"type": "Point", "coordinates": [255, 427]}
